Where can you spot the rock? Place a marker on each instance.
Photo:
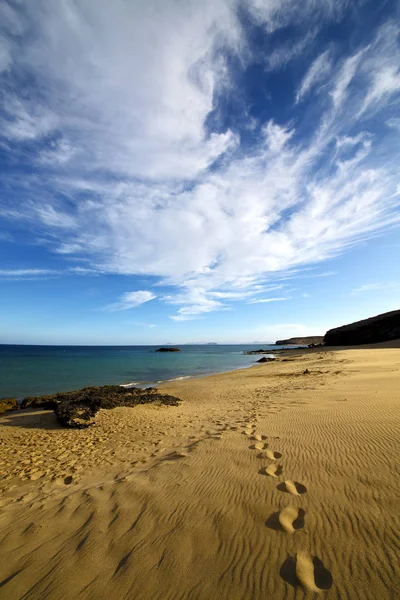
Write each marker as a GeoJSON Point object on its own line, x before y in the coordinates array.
{"type": "Point", "coordinates": [266, 359]}
{"type": "Point", "coordinates": [168, 349]}
{"type": "Point", "coordinates": [45, 402]}
{"type": "Point", "coordinates": [260, 351]}
{"type": "Point", "coordinates": [78, 408]}
{"type": "Point", "coordinates": [381, 328]}
{"type": "Point", "coordinates": [8, 404]}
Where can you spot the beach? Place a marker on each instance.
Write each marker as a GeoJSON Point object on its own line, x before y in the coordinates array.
{"type": "Point", "coordinates": [278, 481]}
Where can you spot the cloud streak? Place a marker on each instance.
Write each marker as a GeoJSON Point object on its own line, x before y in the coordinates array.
{"type": "Point", "coordinates": [130, 300]}
{"type": "Point", "coordinates": [131, 175]}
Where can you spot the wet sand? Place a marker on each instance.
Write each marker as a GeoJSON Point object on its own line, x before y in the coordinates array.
{"type": "Point", "coordinates": [277, 481]}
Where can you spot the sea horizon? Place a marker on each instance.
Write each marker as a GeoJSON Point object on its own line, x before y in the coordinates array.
{"type": "Point", "coordinates": [34, 370]}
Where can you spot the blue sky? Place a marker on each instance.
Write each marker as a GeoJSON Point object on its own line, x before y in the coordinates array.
{"type": "Point", "coordinates": [185, 171]}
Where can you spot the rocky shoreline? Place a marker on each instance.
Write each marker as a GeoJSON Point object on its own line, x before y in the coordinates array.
{"type": "Point", "coordinates": [78, 408]}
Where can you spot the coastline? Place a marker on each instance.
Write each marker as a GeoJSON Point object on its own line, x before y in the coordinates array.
{"type": "Point", "coordinates": [158, 501]}
{"type": "Point", "coordinates": [43, 370]}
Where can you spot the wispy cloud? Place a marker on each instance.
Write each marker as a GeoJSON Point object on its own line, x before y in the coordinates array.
{"type": "Point", "coordinates": [315, 75]}
{"type": "Point", "coordinates": [264, 300]}
{"type": "Point", "coordinates": [284, 54]}
{"type": "Point", "coordinates": [26, 272]}
{"type": "Point", "coordinates": [372, 287]}
{"type": "Point", "coordinates": [132, 300]}
{"type": "Point", "coordinates": [131, 175]}
{"type": "Point", "coordinates": [344, 78]}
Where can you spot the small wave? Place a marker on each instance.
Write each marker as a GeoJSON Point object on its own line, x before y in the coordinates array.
{"type": "Point", "coordinates": [128, 385]}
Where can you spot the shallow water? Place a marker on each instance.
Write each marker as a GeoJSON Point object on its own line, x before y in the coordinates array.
{"type": "Point", "coordinates": [35, 370]}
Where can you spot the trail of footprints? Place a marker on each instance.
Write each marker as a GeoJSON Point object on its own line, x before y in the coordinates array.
{"type": "Point", "coordinates": [304, 568]}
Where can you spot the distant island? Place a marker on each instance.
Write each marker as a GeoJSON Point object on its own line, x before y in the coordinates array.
{"type": "Point", "coordinates": [168, 349]}
{"type": "Point", "coordinates": [301, 341]}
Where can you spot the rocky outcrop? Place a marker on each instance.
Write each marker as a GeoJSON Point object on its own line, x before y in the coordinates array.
{"type": "Point", "coordinates": [381, 328]}
{"type": "Point", "coordinates": [8, 404]}
{"type": "Point", "coordinates": [78, 409]}
{"type": "Point", "coordinates": [168, 349]}
{"type": "Point", "coordinates": [301, 341]}
{"type": "Point", "coordinates": [260, 351]}
{"type": "Point", "coordinates": [265, 359]}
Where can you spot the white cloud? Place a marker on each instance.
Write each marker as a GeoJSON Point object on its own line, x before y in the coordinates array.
{"type": "Point", "coordinates": [372, 287]}
{"type": "Point", "coordinates": [132, 300]}
{"type": "Point", "coordinates": [282, 55]}
{"type": "Point", "coordinates": [344, 79]}
{"type": "Point", "coordinates": [315, 75]}
{"type": "Point", "coordinates": [196, 302]}
{"type": "Point", "coordinates": [135, 181]}
{"type": "Point", "coordinates": [132, 85]}
{"type": "Point", "coordinates": [382, 67]}
{"type": "Point", "coordinates": [26, 272]}
{"type": "Point", "coordinates": [264, 300]}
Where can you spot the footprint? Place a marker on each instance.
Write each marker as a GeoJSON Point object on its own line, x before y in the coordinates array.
{"type": "Point", "coordinates": [259, 437]}
{"type": "Point", "coordinates": [307, 570]}
{"type": "Point", "coordinates": [292, 487]}
{"type": "Point", "coordinates": [291, 519]}
{"type": "Point", "coordinates": [259, 446]}
{"type": "Point", "coordinates": [272, 455]}
{"type": "Point", "coordinates": [311, 572]}
{"type": "Point", "coordinates": [272, 470]}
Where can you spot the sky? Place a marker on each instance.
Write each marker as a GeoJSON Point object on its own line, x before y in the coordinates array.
{"type": "Point", "coordinates": [197, 171]}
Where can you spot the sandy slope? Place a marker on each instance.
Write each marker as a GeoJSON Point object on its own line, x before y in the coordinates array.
{"type": "Point", "coordinates": [266, 483]}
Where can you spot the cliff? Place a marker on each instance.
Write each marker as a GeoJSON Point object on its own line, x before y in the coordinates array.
{"type": "Point", "coordinates": [381, 328]}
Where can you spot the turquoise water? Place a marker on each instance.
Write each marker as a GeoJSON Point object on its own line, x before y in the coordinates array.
{"type": "Point", "coordinates": [36, 370]}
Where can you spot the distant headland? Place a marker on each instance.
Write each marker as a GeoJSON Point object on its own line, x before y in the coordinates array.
{"type": "Point", "coordinates": [301, 341]}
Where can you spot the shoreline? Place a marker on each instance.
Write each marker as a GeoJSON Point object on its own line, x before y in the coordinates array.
{"type": "Point", "coordinates": [179, 496]}
{"type": "Point", "coordinates": [48, 370]}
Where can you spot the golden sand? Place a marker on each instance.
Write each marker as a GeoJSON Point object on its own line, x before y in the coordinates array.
{"type": "Point", "coordinates": [275, 482]}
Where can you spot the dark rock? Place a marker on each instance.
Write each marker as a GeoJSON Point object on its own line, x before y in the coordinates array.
{"type": "Point", "coordinates": [381, 328]}
{"type": "Point", "coordinates": [78, 409]}
{"type": "Point", "coordinates": [265, 359]}
{"type": "Point", "coordinates": [45, 402]}
{"type": "Point", "coordinates": [8, 404]}
{"type": "Point", "coordinates": [168, 349]}
{"type": "Point", "coordinates": [260, 351]}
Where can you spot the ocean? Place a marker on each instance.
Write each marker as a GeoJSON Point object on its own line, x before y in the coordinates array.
{"type": "Point", "coordinates": [37, 370]}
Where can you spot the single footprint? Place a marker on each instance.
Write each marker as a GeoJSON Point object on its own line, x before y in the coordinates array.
{"type": "Point", "coordinates": [272, 470]}
{"type": "Point", "coordinates": [258, 446]}
{"type": "Point", "coordinates": [259, 437]}
{"type": "Point", "coordinates": [292, 487]}
{"type": "Point", "coordinates": [311, 572]}
{"type": "Point", "coordinates": [291, 519]}
{"type": "Point", "coordinates": [272, 455]}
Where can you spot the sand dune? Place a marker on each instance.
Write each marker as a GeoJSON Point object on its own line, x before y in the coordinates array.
{"type": "Point", "coordinates": [171, 502]}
